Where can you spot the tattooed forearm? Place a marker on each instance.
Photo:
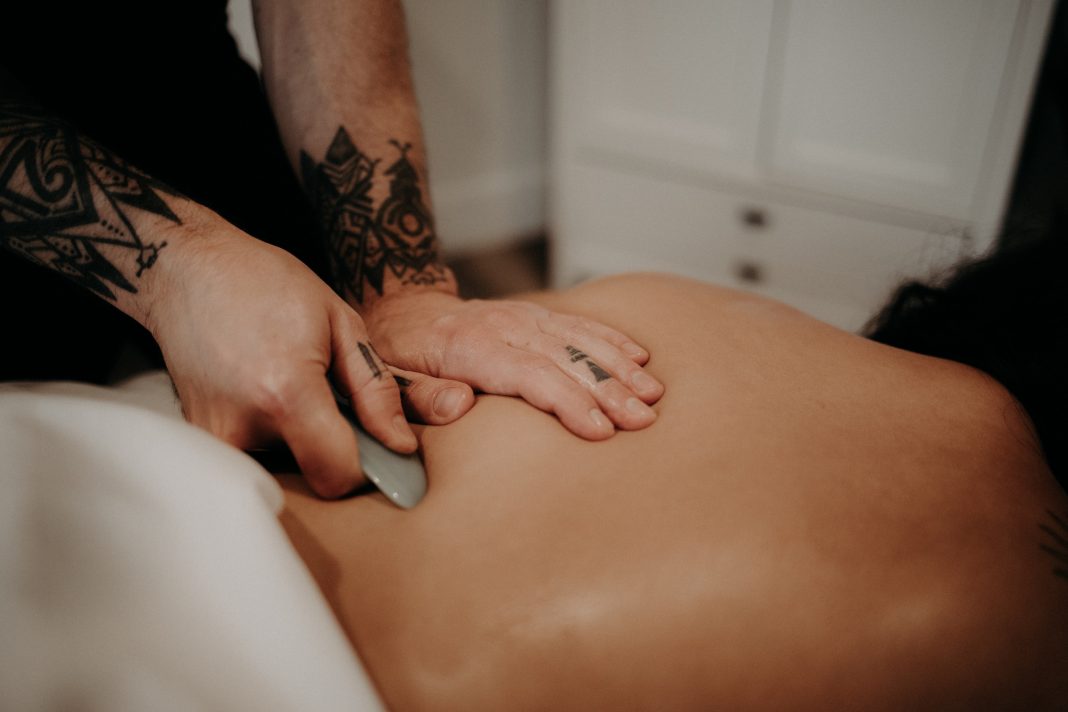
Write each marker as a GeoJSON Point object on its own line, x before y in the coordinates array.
{"type": "Point", "coordinates": [69, 204]}
{"type": "Point", "coordinates": [367, 243]}
{"type": "Point", "coordinates": [1055, 542]}
{"type": "Point", "coordinates": [599, 374]}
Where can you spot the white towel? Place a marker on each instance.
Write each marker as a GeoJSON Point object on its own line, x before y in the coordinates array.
{"type": "Point", "coordinates": [142, 566]}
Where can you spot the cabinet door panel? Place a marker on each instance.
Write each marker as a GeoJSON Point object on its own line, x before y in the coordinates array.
{"type": "Point", "coordinates": [678, 82]}
{"type": "Point", "coordinates": [889, 101]}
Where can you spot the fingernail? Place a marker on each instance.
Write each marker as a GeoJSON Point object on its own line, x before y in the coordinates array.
{"type": "Point", "coordinates": [600, 419]}
{"type": "Point", "coordinates": [447, 402]}
{"type": "Point", "coordinates": [644, 382]}
{"type": "Point", "coordinates": [400, 425]}
{"type": "Point", "coordinates": [638, 408]}
{"type": "Point", "coordinates": [631, 349]}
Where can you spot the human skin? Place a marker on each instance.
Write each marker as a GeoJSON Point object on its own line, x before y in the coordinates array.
{"type": "Point", "coordinates": [253, 339]}
{"type": "Point", "coordinates": [247, 331]}
{"type": "Point", "coordinates": [815, 521]}
{"type": "Point", "coordinates": [338, 78]}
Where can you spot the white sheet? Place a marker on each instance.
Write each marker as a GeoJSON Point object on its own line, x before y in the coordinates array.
{"type": "Point", "coordinates": [142, 566]}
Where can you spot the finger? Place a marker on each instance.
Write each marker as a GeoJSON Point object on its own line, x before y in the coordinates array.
{"type": "Point", "coordinates": [615, 362]}
{"type": "Point", "coordinates": [321, 440]}
{"type": "Point", "coordinates": [365, 380]}
{"type": "Point", "coordinates": [571, 328]}
{"type": "Point", "coordinates": [625, 410]}
{"type": "Point", "coordinates": [540, 382]}
{"type": "Point", "coordinates": [430, 400]}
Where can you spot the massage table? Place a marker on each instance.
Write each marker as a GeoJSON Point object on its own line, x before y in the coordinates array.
{"type": "Point", "coordinates": [144, 568]}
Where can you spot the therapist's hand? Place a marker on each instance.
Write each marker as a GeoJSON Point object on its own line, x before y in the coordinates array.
{"type": "Point", "coordinates": [250, 336]}
{"type": "Point", "coordinates": [586, 373]}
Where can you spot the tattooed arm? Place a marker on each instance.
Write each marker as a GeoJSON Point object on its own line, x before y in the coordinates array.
{"type": "Point", "coordinates": [72, 206]}
{"type": "Point", "coordinates": [247, 331]}
{"type": "Point", "coordinates": [338, 79]}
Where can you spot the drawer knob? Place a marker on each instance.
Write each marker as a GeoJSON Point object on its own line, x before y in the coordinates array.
{"type": "Point", "coordinates": [749, 272]}
{"type": "Point", "coordinates": [755, 218]}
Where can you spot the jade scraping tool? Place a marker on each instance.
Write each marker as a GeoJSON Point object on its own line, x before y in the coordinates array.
{"type": "Point", "coordinates": [401, 478]}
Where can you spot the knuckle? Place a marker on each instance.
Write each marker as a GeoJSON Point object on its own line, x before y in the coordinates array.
{"type": "Point", "coordinates": [544, 370]}
{"type": "Point", "coordinates": [576, 399]}
{"type": "Point", "coordinates": [358, 378]}
{"type": "Point", "coordinates": [501, 319]}
{"type": "Point", "coordinates": [448, 323]}
{"type": "Point", "coordinates": [624, 369]}
{"type": "Point", "coordinates": [466, 333]}
{"type": "Point", "coordinates": [596, 375]}
{"type": "Point", "coordinates": [542, 378]}
{"type": "Point", "coordinates": [583, 325]}
{"type": "Point", "coordinates": [612, 395]}
{"type": "Point", "coordinates": [274, 397]}
{"type": "Point", "coordinates": [418, 389]}
{"type": "Point", "coordinates": [608, 386]}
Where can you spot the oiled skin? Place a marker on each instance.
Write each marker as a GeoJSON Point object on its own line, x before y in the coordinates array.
{"type": "Point", "coordinates": [814, 521]}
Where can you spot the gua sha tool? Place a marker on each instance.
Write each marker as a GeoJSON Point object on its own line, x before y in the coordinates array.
{"type": "Point", "coordinates": [401, 478]}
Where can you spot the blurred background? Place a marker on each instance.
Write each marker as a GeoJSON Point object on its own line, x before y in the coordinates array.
{"type": "Point", "coordinates": [816, 151]}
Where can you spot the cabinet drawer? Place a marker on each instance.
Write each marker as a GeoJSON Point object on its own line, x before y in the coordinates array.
{"type": "Point", "coordinates": [836, 267]}
{"type": "Point", "coordinates": [808, 257]}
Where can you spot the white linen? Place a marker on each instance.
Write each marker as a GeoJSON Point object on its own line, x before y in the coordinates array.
{"type": "Point", "coordinates": [142, 566]}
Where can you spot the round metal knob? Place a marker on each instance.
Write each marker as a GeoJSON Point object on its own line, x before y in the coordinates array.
{"type": "Point", "coordinates": [755, 218]}
{"type": "Point", "coordinates": [749, 272]}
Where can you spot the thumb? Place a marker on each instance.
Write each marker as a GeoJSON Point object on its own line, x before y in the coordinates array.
{"type": "Point", "coordinates": [365, 380]}
{"type": "Point", "coordinates": [430, 400]}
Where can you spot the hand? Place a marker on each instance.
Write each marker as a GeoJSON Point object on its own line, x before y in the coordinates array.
{"type": "Point", "coordinates": [249, 335]}
{"type": "Point", "coordinates": [589, 375]}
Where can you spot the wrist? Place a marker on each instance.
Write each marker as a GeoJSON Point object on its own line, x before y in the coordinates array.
{"type": "Point", "coordinates": [409, 304]}
{"type": "Point", "coordinates": [202, 237]}
{"type": "Point", "coordinates": [135, 277]}
{"type": "Point", "coordinates": [370, 195]}
{"type": "Point", "coordinates": [430, 285]}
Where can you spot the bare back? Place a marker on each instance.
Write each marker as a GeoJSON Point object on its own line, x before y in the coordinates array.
{"type": "Point", "coordinates": [813, 520]}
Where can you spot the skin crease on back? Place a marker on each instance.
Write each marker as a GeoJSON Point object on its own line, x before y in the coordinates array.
{"type": "Point", "coordinates": [814, 521]}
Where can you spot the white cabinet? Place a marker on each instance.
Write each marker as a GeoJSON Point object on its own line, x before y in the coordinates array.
{"type": "Point", "coordinates": [814, 150]}
{"type": "Point", "coordinates": [646, 84]}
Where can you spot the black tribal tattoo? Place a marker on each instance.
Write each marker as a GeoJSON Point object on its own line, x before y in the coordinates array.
{"type": "Point", "coordinates": [599, 374]}
{"type": "Point", "coordinates": [364, 241]}
{"type": "Point", "coordinates": [67, 203]}
{"type": "Point", "coordinates": [1055, 543]}
{"type": "Point", "coordinates": [369, 355]}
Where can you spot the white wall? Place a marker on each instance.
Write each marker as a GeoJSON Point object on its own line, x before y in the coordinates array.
{"type": "Point", "coordinates": [480, 75]}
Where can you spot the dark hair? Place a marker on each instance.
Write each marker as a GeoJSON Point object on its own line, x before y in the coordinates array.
{"type": "Point", "coordinates": [1005, 314]}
